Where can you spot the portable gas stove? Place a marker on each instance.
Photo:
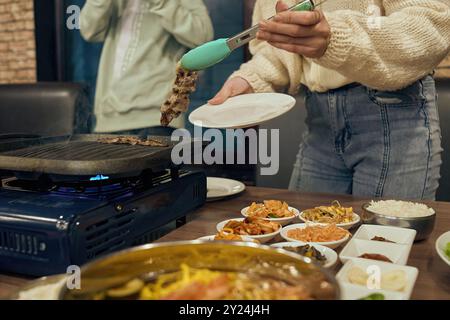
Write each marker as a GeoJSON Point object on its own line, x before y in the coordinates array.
{"type": "Point", "coordinates": [72, 199]}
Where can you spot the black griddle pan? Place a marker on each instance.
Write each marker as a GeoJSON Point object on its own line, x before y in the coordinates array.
{"type": "Point", "coordinates": [81, 155]}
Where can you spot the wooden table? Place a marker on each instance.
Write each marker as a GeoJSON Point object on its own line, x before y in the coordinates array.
{"type": "Point", "coordinates": [434, 275]}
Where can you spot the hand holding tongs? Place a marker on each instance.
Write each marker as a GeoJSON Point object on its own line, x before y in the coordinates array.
{"type": "Point", "coordinates": [214, 52]}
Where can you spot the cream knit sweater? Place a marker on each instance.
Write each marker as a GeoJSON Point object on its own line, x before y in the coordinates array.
{"type": "Point", "coordinates": [382, 44]}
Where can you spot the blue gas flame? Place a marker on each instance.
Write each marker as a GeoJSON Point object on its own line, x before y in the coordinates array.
{"type": "Point", "coordinates": [100, 177]}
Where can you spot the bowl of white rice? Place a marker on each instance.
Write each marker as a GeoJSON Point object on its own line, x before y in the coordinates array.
{"type": "Point", "coordinates": [403, 214]}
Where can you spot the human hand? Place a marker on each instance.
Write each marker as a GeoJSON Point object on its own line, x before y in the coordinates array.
{"type": "Point", "coordinates": [303, 32]}
{"type": "Point", "coordinates": [232, 87]}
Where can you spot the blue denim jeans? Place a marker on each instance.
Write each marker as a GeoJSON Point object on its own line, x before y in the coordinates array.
{"type": "Point", "coordinates": [371, 143]}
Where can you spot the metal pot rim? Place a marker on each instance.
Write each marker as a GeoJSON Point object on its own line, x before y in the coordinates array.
{"type": "Point", "coordinates": [328, 275]}
{"type": "Point", "coordinates": [366, 205]}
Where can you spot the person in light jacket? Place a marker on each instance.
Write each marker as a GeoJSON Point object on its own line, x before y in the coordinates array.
{"type": "Point", "coordinates": [372, 117]}
{"type": "Point", "coordinates": [143, 41]}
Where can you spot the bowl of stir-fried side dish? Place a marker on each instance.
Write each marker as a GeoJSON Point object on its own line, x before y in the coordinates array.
{"type": "Point", "coordinates": [257, 229]}
{"type": "Point", "coordinates": [223, 236]}
{"type": "Point", "coordinates": [204, 271]}
{"type": "Point", "coordinates": [319, 254]}
{"type": "Point", "coordinates": [335, 214]}
{"type": "Point", "coordinates": [330, 235]}
{"type": "Point", "coordinates": [272, 210]}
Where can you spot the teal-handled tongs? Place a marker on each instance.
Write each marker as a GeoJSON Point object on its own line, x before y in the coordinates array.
{"type": "Point", "coordinates": [213, 52]}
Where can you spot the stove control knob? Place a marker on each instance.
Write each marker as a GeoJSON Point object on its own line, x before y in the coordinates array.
{"type": "Point", "coordinates": [62, 225]}
{"type": "Point", "coordinates": [42, 246]}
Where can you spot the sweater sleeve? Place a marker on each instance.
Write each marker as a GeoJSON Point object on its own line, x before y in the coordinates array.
{"type": "Point", "coordinates": [393, 51]}
{"type": "Point", "coordinates": [266, 71]}
{"type": "Point", "coordinates": [187, 21]}
{"type": "Point", "coordinates": [95, 19]}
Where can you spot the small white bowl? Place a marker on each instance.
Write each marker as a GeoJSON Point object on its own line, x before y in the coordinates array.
{"type": "Point", "coordinates": [397, 253]}
{"type": "Point", "coordinates": [331, 244]}
{"type": "Point", "coordinates": [212, 238]}
{"type": "Point", "coordinates": [261, 238]}
{"type": "Point", "coordinates": [346, 226]}
{"type": "Point", "coordinates": [282, 221]}
{"type": "Point", "coordinates": [441, 243]}
{"type": "Point", "coordinates": [330, 254]}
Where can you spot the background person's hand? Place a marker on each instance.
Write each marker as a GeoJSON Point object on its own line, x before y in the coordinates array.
{"type": "Point", "coordinates": [303, 32]}
{"type": "Point", "coordinates": [233, 87]}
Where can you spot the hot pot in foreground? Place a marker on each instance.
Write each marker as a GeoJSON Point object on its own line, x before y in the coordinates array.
{"type": "Point", "coordinates": [204, 270]}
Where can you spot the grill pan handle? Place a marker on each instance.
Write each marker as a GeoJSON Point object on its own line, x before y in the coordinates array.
{"type": "Point", "coordinates": [10, 136]}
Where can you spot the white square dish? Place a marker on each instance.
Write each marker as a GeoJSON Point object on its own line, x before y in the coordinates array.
{"type": "Point", "coordinates": [371, 267]}
{"type": "Point", "coordinates": [397, 253]}
{"type": "Point", "coordinates": [394, 234]}
{"type": "Point", "coordinates": [355, 292]}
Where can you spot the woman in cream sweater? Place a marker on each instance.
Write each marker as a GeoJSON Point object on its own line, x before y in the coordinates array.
{"type": "Point", "coordinates": [373, 124]}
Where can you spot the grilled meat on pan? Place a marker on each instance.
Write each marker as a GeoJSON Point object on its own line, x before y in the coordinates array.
{"type": "Point", "coordinates": [134, 141]}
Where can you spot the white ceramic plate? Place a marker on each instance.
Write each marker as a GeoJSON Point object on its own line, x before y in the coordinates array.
{"type": "Point", "coordinates": [212, 238]}
{"type": "Point", "coordinates": [243, 111]}
{"type": "Point", "coordinates": [397, 253]}
{"type": "Point", "coordinates": [371, 268]}
{"type": "Point", "coordinates": [219, 188]}
{"type": "Point", "coordinates": [441, 243]}
{"type": "Point", "coordinates": [330, 254]}
{"type": "Point", "coordinates": [282, 221]}
{"type": "Point", "coordinates": [346, 226]}
{"type": "Point", "coordinates": [394, 234]}
{"type": "Point", "coordinates": [331, 244]}
{"type": "Point", "coordinates": [262, 238]}
{"type": "Point", "coordinates": [46, 288]}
